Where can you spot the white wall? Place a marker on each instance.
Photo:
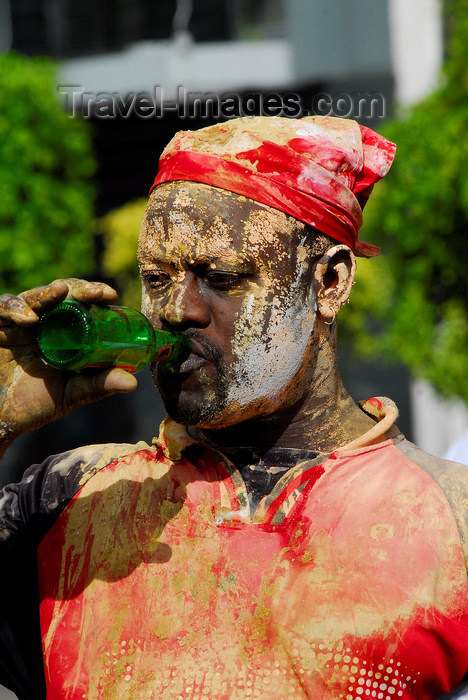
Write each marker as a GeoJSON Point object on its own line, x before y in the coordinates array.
{"type": "Point", "coordinates": [416, 40]}
{"type": "Point", "coordinates": [437, 423]}
{"type": "Point", "coordinates": [204, 67]}
{"type": "Point", "coordinates": [335, 39]}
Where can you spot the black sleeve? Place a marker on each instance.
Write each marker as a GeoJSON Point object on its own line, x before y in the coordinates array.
{"type": "Point", "coordinates": [21, 664]}
{"type": "Point", "coordinates": [27, 512]}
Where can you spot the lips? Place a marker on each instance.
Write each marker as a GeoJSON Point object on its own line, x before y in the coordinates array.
{"type": "Point", "coordinates": [203, 352]}
{"type": "Point", "coordinates": [198, 350]}
{"type": "Point", "coordinates": [198, 357]}
{"type": "Point", "coordinates": [192, 363]}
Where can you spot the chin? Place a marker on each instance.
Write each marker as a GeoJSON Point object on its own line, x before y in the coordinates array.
{"type": "Point", "coordinates": [233, 414]}
{"type": "Point", "coordinates": [195, 416]}
{"type": "Point", "coordinates": [201, 412]}
{"type": "Point", "coordinates": [208, 405]}
{"type": "Point", "coordinates": [193, 407]}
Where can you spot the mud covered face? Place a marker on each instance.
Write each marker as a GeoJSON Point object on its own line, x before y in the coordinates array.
{"type": "Point", "coordinates": [234, 275]}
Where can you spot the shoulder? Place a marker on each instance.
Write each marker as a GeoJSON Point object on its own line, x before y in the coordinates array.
{"type": "Point", "coordinates": [451, 477]}
{"type": "Point", "coordinates": [32, 505]}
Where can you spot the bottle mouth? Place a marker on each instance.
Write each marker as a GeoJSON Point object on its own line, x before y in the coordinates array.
{"type": "Point", "coordinates": [64, 335]}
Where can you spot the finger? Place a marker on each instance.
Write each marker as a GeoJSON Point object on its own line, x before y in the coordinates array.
{"type": "Point", "coordinates": [86, 387]}
{"type": "Point", "coordinates": [15, 310]}
{"type": "Point", "coordinates": [82, 290]}
{"type": "Point", "coordinates": [41, 297]}
{"type": "Point", "coordinates": [20, 309]}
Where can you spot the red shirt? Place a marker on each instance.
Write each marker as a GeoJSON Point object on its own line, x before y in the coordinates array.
{"type": "Point", "coordinates": [348, 582]}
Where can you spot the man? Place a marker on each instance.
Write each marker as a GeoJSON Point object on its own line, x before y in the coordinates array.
{"type": "Point", "coordinates": [276, 541]}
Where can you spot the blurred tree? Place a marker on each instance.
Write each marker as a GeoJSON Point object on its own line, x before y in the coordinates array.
{"type": "Point", "coordinates": [412, 304]}
{"type": "Point", "coordinates": [46, 200]}
{"type": "Point", "coordinates": [120, 229]}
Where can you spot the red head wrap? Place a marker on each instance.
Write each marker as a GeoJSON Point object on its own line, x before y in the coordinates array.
{"type": "Point", "coordinates": [319, 170]}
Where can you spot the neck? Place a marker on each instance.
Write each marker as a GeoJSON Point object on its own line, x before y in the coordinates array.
{"type": "Point", "coordinates": [324, 417]}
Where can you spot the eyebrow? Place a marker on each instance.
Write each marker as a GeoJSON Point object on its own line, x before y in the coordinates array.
{"type": "Point", "coordinates": [237, 260]}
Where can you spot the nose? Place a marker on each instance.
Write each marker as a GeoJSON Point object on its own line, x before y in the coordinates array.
{"type": "Point", "coordinates": [185, 306]}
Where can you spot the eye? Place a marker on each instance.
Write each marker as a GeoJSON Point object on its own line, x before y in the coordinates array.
{"type": "Point", "coordinates": [155, 280]}
{"type": "Point", "coordinates": [223, 280]}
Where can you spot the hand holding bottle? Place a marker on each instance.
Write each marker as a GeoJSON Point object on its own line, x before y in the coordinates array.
{"type": "Point", "coordinates": [32, 393]}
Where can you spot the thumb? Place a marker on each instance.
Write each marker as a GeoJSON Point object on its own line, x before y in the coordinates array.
{"type": "Point", "coordinates": [86, 387]}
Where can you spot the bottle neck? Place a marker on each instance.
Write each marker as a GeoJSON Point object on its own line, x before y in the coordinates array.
{"type": "Point", "coordinates": [171, 347]}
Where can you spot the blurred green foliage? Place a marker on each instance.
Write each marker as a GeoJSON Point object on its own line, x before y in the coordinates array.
{"type": "Point", "coordinates": [120, 229]}
{"type": "Point", "coordinates": [46, 200]}
{"type": "Point", "coordinates": [413, 306]}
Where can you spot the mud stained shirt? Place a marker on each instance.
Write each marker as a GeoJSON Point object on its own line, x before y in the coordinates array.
{"type": "Point", "coordinates": [126, 574]}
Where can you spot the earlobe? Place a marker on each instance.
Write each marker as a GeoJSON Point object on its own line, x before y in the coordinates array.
{"type": "Point", "coordinates": [333, 279]}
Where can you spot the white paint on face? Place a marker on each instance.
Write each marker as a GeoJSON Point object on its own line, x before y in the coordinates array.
{"type": "Point", "coordinates": [249, 305]}
{"type": "Point", "coordinates": [269, 355]}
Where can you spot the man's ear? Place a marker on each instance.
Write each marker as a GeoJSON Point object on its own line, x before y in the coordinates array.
{"type": "Point", "coordinates": [333, 277]}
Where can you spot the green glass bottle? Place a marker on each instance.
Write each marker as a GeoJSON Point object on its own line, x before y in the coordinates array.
{"type": "Point", "coordinates": [72, 336]}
